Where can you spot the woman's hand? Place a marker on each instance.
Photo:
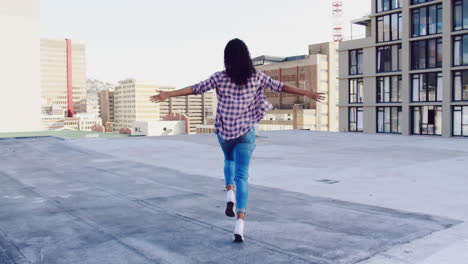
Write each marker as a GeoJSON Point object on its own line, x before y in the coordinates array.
{"type": "Point", "coordinates": [162, 96]}
{"type": "Point", "coordinates": [319, 97]}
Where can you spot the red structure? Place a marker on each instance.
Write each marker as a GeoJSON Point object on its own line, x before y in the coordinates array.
{"type": "Point", "coordinates": [69, 78]}
{"type": "Point", "coordinates": [337, 14]}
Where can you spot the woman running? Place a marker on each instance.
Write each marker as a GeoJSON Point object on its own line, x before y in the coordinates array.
{"type": "Point", "coordinates": [241, 106]}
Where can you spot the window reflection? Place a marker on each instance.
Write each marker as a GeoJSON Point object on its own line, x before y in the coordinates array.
{"type": "Point", "coordinates": [426, 87]}
{"type": "Point", "coordinates": [460, 121]}
{"type": "Point", "coordinates": [426, 54]}
{"type": "Point", "coordinates": [389, 27]}
{"type": "Point", "coordinates": [355, 119]}
{"type": "Point", "coordinates": [426, 20]}
{"type": "Point", "coordinates": [427, 120]}
{"type": "Point", "coordinates": [355, 62]}
{"type": "Point", "coordinates": [356, 90]}
{"type": "Point", "coordinates": [388, 119]}
{"type": "Point", "coordinates": [388, 58]}
{"type": "Point", "coordinates": [460, 86]}
{"type": "Point", "coordinates": [389, 89]}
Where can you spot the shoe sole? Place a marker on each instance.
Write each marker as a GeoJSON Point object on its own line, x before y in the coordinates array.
{"type": "Point", "coordinates": [238, 238]}
{"type": "Point", "coordinates": [230, 209]}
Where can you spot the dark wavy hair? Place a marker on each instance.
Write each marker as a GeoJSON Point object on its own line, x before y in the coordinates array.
{"type": "Point", "coordinates": [239, 66]}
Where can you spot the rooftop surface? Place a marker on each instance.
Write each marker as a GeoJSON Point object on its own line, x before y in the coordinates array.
{"type": "Point", "coordinates": [64, 133]}
{"type": "Point", "coordinates": [314, 198]}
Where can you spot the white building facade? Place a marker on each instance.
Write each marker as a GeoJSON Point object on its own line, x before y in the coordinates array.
{"type": "Point", "coordinates": [158, 128]}
{"type": "Point", "coordinates": [132, 103]}
{"type": "Point", "coordinates": [20, 103]}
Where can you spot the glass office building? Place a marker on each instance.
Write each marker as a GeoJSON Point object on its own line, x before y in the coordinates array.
{"type": "Point", "coordinates": [409, 74]}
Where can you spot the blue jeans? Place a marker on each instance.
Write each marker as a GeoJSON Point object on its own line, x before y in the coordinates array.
{"type": "Point", "coordinates": [237, 154]}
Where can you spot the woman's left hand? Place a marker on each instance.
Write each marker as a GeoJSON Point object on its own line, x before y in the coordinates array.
{"type": "Point", "coordinates": [162, 96]}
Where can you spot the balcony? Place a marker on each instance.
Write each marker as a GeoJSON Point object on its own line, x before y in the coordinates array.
{"type": "Point", "coordinates": [355, 40]}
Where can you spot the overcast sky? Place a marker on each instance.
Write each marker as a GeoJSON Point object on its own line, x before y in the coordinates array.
{"type": "Point", "coordinates": [180, 42]}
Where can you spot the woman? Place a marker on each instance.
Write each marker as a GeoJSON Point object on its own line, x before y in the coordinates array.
{"type": "Point", "coordinates": [241, 106]}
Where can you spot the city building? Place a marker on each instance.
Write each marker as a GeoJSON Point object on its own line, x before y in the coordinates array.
{"type": "Point", "coordinates": [52, 117]}
{"type": "Point", "coordinates": [63, 75]}
{"type": "Point", "coordinates": [278, 119]}
{"type": "Point", "coordinates": [106, 106]}
{"type": "Point", "coordinates": [92, 103]}
{"type": "Point", "coordinates": [98, 85]}
{"type": "Point", "coordinates": [82, 121]}
{"type": "Point", "coordinates": [198, 108]}
{"type": "Point", "coordinates": [20, 103]}
{"type": "Point", "coordinates": [132, 103]}
{"type": "Point", "coordinates": [318, 72]}
{"type": "Point", "coordinates": [409, 75]}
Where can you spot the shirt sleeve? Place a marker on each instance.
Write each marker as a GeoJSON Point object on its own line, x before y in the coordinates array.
{"type": "Point", "coordinates": [267, 82]}
{"type": "Point", "coordinates": [206, 85]}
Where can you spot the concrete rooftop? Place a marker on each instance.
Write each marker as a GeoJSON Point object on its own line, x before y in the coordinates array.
{"type": "Point", "coordinates": [315, 198]}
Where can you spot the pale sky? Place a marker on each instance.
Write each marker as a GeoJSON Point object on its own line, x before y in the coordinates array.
{"type": "Point", "coordinates": [181, 42]}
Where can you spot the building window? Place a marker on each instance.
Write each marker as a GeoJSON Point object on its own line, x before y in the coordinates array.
{"type": "Point", "coordinates": [355, 62]}
{"type": "Point", "coordinates": [426, 87]}
{"type": "Point", "coordinates": [355, 119]}
{"type": "Point", "coordinates": [426, 20]}
{"type": "Point", "coordinates": [460, 14]}
{"type": "Point", "coordinates": [389, 89]}
{"type": "Point", "coordinates": [355, 90]}
{"type": "Point", "coordinates": [415, 2]}
{"type": "Point", "coordinates": [460, 50]}
{"type": "Point", "coordinates": [426, 54]}
{"type": "Point", "coordinates": [388, 119]}
{"type": "Point", "coordinates": [460, 121]}
{"type": "Point", "coordinates": [389, 27]}
{"type": "Point", "coordinates": [460, 86]}
{"type": "Point", "coordinates": [386, 5]}
{"type": "Point", "coordinates": [427, 120]}
{"type": "Point", "coordinates": [389, 58]}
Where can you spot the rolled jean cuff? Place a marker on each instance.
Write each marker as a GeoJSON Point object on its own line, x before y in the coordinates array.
{"type": "Point", "coordinates": [241, 210]}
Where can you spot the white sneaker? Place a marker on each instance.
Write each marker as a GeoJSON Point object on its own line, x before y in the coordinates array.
{"type": "Point", "coordinates": [239, 231]}
{"type": "Point", "coordinates": [230, 203]}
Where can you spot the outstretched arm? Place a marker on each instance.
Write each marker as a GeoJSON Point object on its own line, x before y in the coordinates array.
{"type": "Point", "coordinates": [313, 95]}
{"type": "Point", "coordinates": [164, 95]}
{"type": "Point", "coordinates": [199, 88]}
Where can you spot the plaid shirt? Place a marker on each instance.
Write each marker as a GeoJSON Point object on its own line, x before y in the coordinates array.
{"type": "Point", "coordinates": [239, 107]}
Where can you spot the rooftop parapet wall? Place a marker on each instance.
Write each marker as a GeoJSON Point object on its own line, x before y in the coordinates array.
{"type": "Point", "coordinates": [356, 44]}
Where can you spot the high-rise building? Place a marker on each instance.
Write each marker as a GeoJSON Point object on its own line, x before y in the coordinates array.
{"type": "Point", "coordinates": [20, 103]}
{"type": "Point", "coordinates": [132, 103]}
{"type": "Point", "coordinates": [407, 76]}
{"type": "Point", "coordinates": [198, 108]}
{"type": "Point", "coordinates": [316, 72]}
{"type": "Point", "coordinates": [63, 75]}
{"type": "Point", "coordinates": [92, 103]}
{"type": "Point", "coordinates": [106, 106]}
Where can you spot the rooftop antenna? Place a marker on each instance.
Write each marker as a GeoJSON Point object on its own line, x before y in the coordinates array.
{"type": "Point", "coordinates": [337, 22]}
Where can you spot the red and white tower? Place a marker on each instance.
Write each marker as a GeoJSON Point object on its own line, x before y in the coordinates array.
{"type": "Point", "coordinates": [70, 109]}
{"type": "Point", "coordinates": [337, 20]}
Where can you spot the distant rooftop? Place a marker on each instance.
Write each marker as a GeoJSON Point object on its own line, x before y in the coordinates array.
{"type": "Point", "coordinates": [65, 133]}
{"type": "Point", "coordinates": [363, 21]}
{"type": "Point", "coordinates": [265, 59]}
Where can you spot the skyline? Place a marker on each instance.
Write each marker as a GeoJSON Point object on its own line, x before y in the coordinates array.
{"type": "Point", "coordinates": [126, 48]}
